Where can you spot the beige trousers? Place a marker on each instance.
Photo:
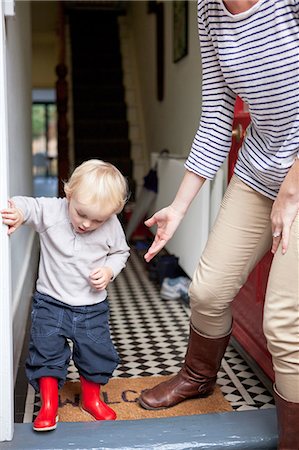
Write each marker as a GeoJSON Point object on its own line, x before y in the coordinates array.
{"type": "Point", "coordinates": [239, 239]}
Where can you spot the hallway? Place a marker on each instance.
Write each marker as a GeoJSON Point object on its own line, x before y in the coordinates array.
{"type": "Point", "coordinates": [150, 336]}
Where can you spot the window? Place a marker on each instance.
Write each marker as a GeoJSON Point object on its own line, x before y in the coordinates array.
{"type": "Point", "coordinates": [44, 141]}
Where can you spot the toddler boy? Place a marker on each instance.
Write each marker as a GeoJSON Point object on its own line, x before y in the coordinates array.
{"type": "Point", "coordinates": [82, 249]}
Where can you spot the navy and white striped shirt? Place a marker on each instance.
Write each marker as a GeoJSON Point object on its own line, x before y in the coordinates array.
{"type": "Point", "coordinates": [254, 55]}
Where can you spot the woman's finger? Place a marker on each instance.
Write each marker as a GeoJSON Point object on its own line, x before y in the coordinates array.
{"type": "Point", "coordinates": [150, 222]}
{"type": "Point", "coordinates": [275, 244]}
{"type": "Point", "coordinates": [285, 239]}
{"type": "Point", "coordinates": [276, 235]}
{"type": "Point", "coordinates": [154, 249]}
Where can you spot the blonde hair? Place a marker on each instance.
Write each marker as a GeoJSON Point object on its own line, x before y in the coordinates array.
{"type": "Point", "coordinates": [99, 182]}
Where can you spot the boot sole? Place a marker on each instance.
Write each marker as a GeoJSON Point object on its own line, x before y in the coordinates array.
{"type": "Point", "coordinates": [88, 414]}
{"type": "Point", "coordinates": [91, 416]}
{"type": "Point", "coordinates": [47, 428]}
{"type": "Point", "coordinates": [151, 408]}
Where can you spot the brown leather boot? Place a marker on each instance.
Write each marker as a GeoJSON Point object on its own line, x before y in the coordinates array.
{"type": "Point", "coordinates": [288, 423]}
{"type": "Point", "coordinates": [197, 377]}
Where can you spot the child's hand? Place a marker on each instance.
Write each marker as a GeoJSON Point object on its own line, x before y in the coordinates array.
{"type": "Point", "coordinates": [100, 278]}
{"type": "Point", "coordinates": [12, 217]}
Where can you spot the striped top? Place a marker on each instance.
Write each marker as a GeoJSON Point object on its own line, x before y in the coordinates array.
{"type": "Point", "coordinates": [254, 55]}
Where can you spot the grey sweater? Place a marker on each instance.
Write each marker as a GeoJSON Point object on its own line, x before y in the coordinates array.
{"type": "Point", "coordinates": [68, 258]}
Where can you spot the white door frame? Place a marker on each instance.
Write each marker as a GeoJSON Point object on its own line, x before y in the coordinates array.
{"type": "Point", "coordinates": [6, 343]}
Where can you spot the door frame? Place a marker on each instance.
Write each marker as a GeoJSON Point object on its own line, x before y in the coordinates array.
{"type": "Point", "coordinates": [6, 341]}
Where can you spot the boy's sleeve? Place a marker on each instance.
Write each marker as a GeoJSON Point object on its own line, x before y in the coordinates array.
{"type": "Point", "coordinates": [34, 211]}
{"type": "Point", "coordinates": [119, 249]}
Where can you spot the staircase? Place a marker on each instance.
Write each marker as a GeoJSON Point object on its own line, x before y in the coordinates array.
{"type": "Point", "coordinates": [100, 124]}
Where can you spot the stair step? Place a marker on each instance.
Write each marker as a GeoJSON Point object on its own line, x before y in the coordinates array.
{"type": "Point", "coordinates": [95, 79]}
{"type": "Point", "coordinates": [95, 21]}
{"type": "Point", "coordinates": [103, 147]}
{"type": "Point", "coordinates": [96, 41]}
{"type": "Point", "coordinates": [98, 75]}
{"type": "Point", "coordinates": [239, 430]}
{"type": "Point", "coordinates": [101, 129]}
{"type": "Point", "coordinates": [113, 61]}
{"type": "Point", "coordinates": [94, 111]}
{"type": "Point", "coordinates": [98, 93]}
{"type": "Point", "coordinates": [98, 48]}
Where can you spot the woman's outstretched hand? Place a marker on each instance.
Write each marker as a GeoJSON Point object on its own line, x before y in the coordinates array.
{"type": "Point", "coordinates": [167, 221]}
{"type": "Point", "coordinates": [169, 218]}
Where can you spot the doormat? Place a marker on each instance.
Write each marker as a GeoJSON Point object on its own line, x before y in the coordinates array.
{"type": "Point", "coordinates": [121, 395]}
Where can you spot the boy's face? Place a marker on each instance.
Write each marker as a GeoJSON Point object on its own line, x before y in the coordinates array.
{"type": "Point", "coordinates": [85, 217]}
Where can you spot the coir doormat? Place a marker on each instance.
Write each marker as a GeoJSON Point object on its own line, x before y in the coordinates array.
{"type": "Point", "coordinates": [121, 395]}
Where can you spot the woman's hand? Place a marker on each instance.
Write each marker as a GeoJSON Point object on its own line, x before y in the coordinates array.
{"type": "Point", "coordinates": [101, 277]}
{"type": "Point", "coordinates": [169, 218]}
{"type": "Point", "coordinates": [285, 209]}
{"type": "Point", "coordinates": [12, 217]}
{"type": "Point", "coordinates": [167, 221]}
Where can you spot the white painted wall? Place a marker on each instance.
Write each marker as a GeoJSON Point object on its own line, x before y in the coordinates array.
{"type": "Point", "coordinates": [171, 123]}
{"type": "Point", "coordinates": [45, 42]}
{"type": "Point", "coordinates": [190, 238]}
{"type": "Point", "coordinates": [135, 117]}
{"type": "Point", "coordinates": [201, 215]}
{"type": "Point", "coordinates": [20, 250]}
{"type": "Point", "coordinates": [23, 261]}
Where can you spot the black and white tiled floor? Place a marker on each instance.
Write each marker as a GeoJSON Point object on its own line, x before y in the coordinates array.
{"type": "Point", "coordinates": [151, 336]}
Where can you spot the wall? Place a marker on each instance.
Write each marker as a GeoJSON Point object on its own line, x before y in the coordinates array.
{"type": "Point", "coordinates": [44, 43]}
{"type": "Point", "coordinates": [131, 84]}
{"type": "Point", "coordinates": [172, 122]}
{"type": "Point", "coordinates": [23, 250]}
{"type": "Point", "coordinates": [200, 216]}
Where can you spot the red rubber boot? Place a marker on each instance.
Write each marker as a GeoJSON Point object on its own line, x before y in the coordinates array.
{"type": "Point", "coordinates": [91, 402]}
{"type": "Point", "coordinates": [47, 417]}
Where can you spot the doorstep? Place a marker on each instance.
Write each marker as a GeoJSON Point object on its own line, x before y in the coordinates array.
{"type": "Point", "coordinates": [255, 429]}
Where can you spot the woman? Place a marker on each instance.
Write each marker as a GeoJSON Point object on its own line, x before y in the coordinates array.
{"type": "Point", "coordinates": [249, 48]}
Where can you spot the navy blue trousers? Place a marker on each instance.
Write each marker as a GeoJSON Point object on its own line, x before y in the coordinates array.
{"type": "Point", "coordinates": [53, 323]}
